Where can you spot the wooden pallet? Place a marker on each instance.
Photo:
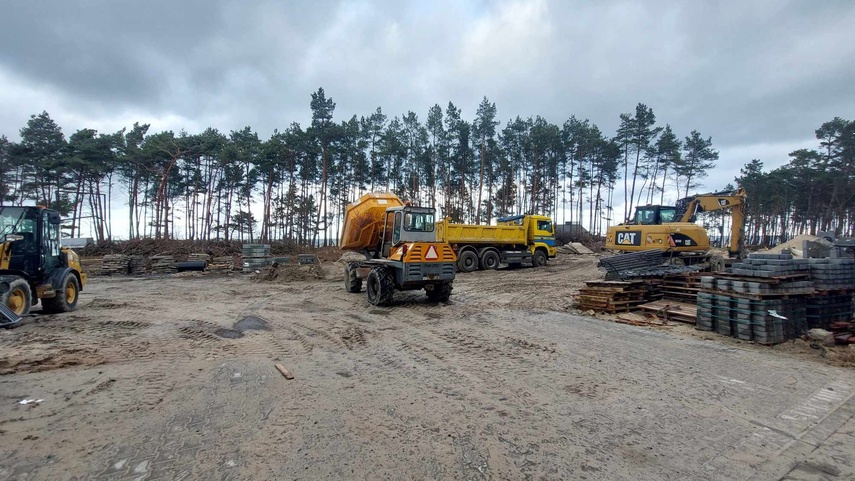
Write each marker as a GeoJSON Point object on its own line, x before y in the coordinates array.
{"type": "Point", "coordinates": [672, 310]}
{"type": "Point", "coordinates": [611, 296]}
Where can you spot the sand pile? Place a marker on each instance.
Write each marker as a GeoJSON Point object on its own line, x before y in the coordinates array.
{"type": "Point", "coordinates": [350, 256]}
{"type": "Point", "coordinates": [817, 247]}
{"type": "Point", "coordinates": [284, 273]}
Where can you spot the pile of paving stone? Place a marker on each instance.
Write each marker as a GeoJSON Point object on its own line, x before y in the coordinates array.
{"type": "Point", "coordinates": [255, 256]}
{"type": "Point", "coordinates": [832, 274]}
{"type": "Point", "coordinates": [162, 264]}
{"type": "Point", "coordinates": [771, 265]}
{"type": "Point", "coordinates": [114, 264]}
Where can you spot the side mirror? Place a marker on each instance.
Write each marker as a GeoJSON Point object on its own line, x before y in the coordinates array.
{"type": "Point", "coordinates": [13, 237]}
{"type": "Point", "coordinates": [54, 218]}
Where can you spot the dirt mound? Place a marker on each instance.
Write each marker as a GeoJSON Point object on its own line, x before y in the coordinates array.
{"type": "Point", "coordinates": [284, 273]}
{"type": "Point", "coordinates": [818, 247]}
{"type": "Point", "coordinates": [180, 249]}
{"type": "Point", "coordinates": [350, 256]}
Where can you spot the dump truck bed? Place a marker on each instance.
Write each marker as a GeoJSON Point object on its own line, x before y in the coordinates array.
{"type": "Point", "coordinates": [363, 220]}
{"type": "Point", "coordinates": [481, 234]}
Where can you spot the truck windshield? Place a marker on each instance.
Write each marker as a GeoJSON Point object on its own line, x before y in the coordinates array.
{"type": "Point", "coordinates": [418, 222]}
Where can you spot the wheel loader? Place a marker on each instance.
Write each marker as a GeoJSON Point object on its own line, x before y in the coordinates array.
{"type": "Point", "coordinates": [34, 267]}
{"type": "Point", "coordinates": [671, 229]}
{"type": "Point", "coordinates": [401, 252]}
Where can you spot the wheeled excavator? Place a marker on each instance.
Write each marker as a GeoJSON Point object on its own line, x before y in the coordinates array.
{"type": "Point", "coordinates": [401, 252]}
{"type": "Point", "coordinates": [34, 267]}
{"type": "Point", "coordinates": [671, 229]}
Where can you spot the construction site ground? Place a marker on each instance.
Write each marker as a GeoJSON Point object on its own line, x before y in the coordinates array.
{"type": "Point", "coordinates": [174, 377]}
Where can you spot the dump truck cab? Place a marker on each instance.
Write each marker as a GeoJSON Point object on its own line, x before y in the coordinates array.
{"type": "Point", "coordinates": [33, 265]}
{"type": "Point", "coordinates": [401, 250]}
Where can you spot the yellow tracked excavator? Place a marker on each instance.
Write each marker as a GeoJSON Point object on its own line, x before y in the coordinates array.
{"type": "Point", "coordinates": [671, 229]}
{"type": "Point", "coordinates": [400, 248]}
{"type": "Point", "coordinates": [33, 265]}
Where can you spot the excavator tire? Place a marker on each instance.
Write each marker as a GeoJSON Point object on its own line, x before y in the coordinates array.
{"type": "Point", "coordinates": [352, 283]}
{"type": "Point", "coordinates": [467, 261]}
{"type": "Point", "coordinates": [380, 286]}
{"type": "Point", "coordinates": [66, 296]}
{"type": "Point", "coordinates": [19, 297]}
{"type": "Point", "coordinates": [440, 293]}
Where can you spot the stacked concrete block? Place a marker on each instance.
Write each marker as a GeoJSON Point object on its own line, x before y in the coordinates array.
{"type": "Point", "coordinates": [825, 309]}
{"type": "Point", "coordinates": [771, 265]}
{"type": "Point", "coordinates": [832, 274]}
{"type": "Point", "coordinates": [255, 256]}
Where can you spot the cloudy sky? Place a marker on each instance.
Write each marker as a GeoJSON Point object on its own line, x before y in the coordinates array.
{"type": "Point", "coordinates": [758, 76]}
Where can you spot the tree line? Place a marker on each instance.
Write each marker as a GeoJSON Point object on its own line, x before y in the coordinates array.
{"type": "Point", "coordinates": [210, 185]}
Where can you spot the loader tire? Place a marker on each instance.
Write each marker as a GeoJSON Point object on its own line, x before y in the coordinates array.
{"type": "Point", "coordinates": [440, 293]}
{"type": "Point", "coordinates": [352, 283]}
{"type": "Point", "coordinates": [66, 296]}
{"type": "Point", "coordinates": [380, 286]}
{"type": "Point", "coordinates": [467, 261]}
{"type": "Point", "coordinates": [19, 297]}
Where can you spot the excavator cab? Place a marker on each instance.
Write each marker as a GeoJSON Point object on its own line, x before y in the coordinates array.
{"type": "Point", "coordinates": [654, 215]}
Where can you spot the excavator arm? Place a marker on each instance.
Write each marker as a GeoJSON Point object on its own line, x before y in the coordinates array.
{"type": "Point", "coordinates": [688, 208]}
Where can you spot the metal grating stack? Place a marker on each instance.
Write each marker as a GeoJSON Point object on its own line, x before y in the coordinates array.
{"type": "Point", "coordinates": [255, 256]}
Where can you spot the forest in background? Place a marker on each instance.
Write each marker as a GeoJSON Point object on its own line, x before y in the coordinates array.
{"type": "Point", "coordinates": [208, 185]}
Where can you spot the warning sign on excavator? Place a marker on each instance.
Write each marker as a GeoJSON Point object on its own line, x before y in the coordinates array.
{"type": "Point", "coordinates": [431, 253]}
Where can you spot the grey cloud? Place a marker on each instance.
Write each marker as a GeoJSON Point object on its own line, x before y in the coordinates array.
{"type": "Point", "coordinates": [745, 73]}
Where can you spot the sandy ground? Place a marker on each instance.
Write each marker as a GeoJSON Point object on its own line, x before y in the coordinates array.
{"type": "Point", "coordinates": [174, 378]}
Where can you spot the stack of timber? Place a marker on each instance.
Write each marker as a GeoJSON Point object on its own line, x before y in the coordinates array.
{"type": "Point", "coordinates": [762, 300]}
{"type": "Point", "coordinates": [255, 256]}
{"type": "Point", "coordinates": [199, 257]}
{"type": "Point", "coordinates": [136, 264]}
{"type": "Point", "coordinates": [681, 287]}
{"type": "Point", "coordinates": [671, 310]}
{"type": "Point", "coordinates": [162, 264]}
{"type": "Point", "coordinates": [114, 264]}
{"type": "Point", "coordinates": [222, 264]}
{"type": "Point", "coordinates": [611, 296]}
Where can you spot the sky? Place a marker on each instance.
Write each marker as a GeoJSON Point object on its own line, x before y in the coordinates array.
{"type": "Point", "coordinates": [758, 77]}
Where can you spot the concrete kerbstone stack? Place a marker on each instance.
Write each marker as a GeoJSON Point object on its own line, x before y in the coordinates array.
{"type": "Point", "coordinates": [255, 257]}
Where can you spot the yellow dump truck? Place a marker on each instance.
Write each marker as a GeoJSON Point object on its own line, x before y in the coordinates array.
{"type": "Point", "coordinates": [514, 240]}
{"type": "Point", "coordinates": [400, 247]}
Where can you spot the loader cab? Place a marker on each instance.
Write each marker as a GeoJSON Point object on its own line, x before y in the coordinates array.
{"type": "Point", "coordinates": [654, 215]}
{"type": "Point", "coordinates": [408, 224]}
{"type": "Point", "coordinates": [29, 240]}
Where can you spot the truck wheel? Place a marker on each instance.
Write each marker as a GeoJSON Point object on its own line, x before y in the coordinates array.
{"type": "Point", "coordinates": [352, 282]}
{"type": "Point", "coordinates": [490, 259]}
{"type": "Point", "coordinates": [66, 296]}
{"type": "Point", "coordinates": [380, 286]}
{"type": "Point", "coordinates": [539, 259]}
{"type": "Point", "coordinates": [18, 298]}
{"type": "Point", "coordinates": [467, 262]}
{"type": "Point", "coordinates": [439, 293]}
